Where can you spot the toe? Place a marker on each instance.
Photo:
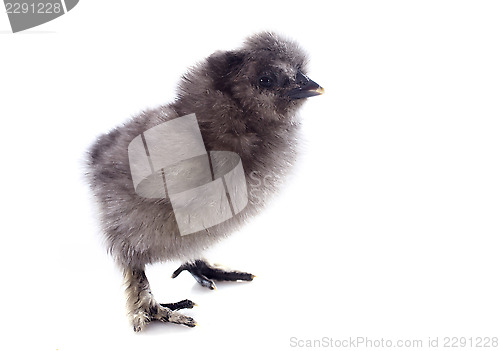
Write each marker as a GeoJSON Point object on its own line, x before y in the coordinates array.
{"type": "Point", "coordinates": [179, 305]}
{"type": "Point", "coordinates": [139, 320]}
{"type": "Point", "coordinates": [179, 318]}
{"type": "Point", "coordinates": [204, 281]}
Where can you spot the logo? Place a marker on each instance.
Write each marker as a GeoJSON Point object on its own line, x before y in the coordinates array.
{"type": "Point", "coordinates": [170, 161]}
{"type": "Point", "coordinates": [25, 14]}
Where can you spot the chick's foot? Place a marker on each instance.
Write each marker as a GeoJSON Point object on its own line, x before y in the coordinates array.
{"type": "Point", "coordinates": [160, 312]}
{"type": "Point", "coordinates": [143, 308]}
{"type": "Point", "coordinates": [205, 273]}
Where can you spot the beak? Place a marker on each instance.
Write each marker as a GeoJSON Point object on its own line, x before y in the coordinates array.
{"type": "Point", "coordinates": [307, 87]}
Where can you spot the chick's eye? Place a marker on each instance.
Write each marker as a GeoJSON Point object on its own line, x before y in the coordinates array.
{"type": "Point", "coordinates": [266, 82]}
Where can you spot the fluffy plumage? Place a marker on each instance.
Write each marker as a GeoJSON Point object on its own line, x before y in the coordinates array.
{"type": "Point", "coordinates": [245, 101]}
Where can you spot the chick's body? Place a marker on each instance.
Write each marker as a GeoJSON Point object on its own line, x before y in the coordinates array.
{"type": "Point", "coordinates": [245, 101]}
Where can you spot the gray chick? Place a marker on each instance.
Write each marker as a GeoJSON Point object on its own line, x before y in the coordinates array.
{"type": "Point", "coordinates": [245, 102]}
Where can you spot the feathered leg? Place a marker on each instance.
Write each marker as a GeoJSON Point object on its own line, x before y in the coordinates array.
{"type": "Point", "coordinates": [142, 306]}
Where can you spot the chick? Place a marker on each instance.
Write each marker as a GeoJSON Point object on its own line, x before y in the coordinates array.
{"type": "Point", "coordinates": [245, 101]}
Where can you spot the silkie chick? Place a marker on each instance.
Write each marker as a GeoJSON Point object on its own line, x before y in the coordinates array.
{"type": "Point", "coordinates": [245, 101]}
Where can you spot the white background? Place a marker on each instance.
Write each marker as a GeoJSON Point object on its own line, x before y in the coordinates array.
{"type": "Point", "coordinates": [389, 229]}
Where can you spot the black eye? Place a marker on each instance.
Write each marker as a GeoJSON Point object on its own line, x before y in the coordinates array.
{"type": "Point", "coordinates": [266, 82]}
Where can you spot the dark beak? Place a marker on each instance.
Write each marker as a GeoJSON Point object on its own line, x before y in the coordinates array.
{"type": "Point", "coordinates": [306, 88]}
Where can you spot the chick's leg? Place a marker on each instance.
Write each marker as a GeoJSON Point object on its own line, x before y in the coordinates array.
{"type": "Point", "coordinates": [143, 308]}
{"type": "Point", "coordinates": [204, 273]}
